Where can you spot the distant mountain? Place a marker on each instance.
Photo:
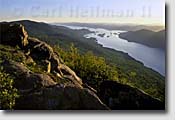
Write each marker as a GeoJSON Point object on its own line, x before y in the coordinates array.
{"type": "Point", "coordinates": [146, 37]}
{"type": "Point", "coordinates": [110, 26]}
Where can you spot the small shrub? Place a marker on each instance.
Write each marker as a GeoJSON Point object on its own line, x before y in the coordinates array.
{"type": "Point", "coordinates": [8, 93]}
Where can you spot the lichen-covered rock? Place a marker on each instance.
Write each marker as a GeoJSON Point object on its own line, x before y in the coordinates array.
{"type": "Point", "coordinates": [61, 97]}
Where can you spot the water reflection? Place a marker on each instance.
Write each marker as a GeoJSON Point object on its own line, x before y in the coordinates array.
{"type": "Point", "coordinates": [151, 57]}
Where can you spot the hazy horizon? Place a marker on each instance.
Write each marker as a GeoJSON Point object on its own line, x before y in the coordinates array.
{"type": "Point", "coordinates": [141, 12]}
{"type": "Point", "coordinates": [161, 25]}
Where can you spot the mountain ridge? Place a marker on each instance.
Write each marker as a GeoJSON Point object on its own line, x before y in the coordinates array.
{"type": "Point", "coordinates": [146, 37]}
{"type": "Point", "coordinates": [110, 26]}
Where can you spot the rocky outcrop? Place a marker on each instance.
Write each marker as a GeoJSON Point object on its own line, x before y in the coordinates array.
{"type": "Point", "coordinates": [40, 90]}
{"type": "Point", "coordinates": [15, 35]}
{"type": "Point", "coordinates": [118, 96]}
{"type": "Point", "coordinates": [39, 50]}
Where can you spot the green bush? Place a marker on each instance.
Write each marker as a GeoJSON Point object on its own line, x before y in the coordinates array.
{"type": "Point", "coordinates": [92, 69]}
{"type": "Point", "coordinates": [8, 93]}
{"type": "Point", "coordinates": [11, 53]}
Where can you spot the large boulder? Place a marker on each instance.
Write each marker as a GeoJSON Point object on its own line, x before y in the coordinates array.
{"type": "Point", "coordinates": [39, 50]}
{"type": "Point", "coordinates": [119, 96]}
{"type": "Point", "coordinates": [61, 97]}
{"type": "Point", "coordinates": [26, 80]}
{"type": "Point", "coordinates": [13, 34]}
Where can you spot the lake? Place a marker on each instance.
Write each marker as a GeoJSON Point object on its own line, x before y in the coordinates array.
{"type": "Point", "coordinates": [151, 57]}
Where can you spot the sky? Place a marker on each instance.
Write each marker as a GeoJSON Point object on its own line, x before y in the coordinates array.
{"type": "Point", "coordinates": [85, 11]}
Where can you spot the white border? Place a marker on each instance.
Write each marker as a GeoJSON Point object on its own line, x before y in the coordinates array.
{"type": "Point", "coordinates": [118, 115]}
